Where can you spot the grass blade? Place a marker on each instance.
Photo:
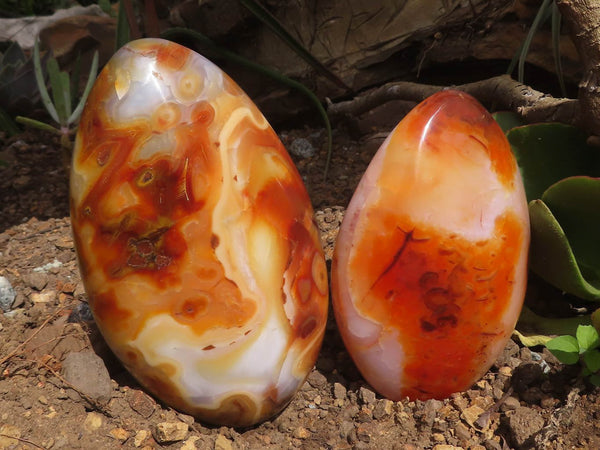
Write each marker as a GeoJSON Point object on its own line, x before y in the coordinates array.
{"type": "Point", "coordinates": [41, 84]}
{"type": "Point", "coordinates": [123, 31]}
{"type": "Point", "coordinates": [88, 87]}
{"type": "Point", "coordinates": [271, 21]}
{"type": "Point", "coordinates": [173, 32]}
{"type": "Point", "coordinates": [75, 77]}
{"type": "Point", "coordinates": [541, 16]}
{"type": "Point", "coordinates": [556, 20]}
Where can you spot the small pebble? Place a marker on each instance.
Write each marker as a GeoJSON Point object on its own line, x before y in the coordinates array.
{"type": "Point", "coordinates": [302, 147]}
{"type": "Point", "coordinates": [7, 294]}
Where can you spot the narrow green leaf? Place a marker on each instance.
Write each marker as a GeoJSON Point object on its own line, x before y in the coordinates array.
{"type": "Point", "coordinates": [556, 19]}
{"type": "Point", "coordinates": [59, 82]}
{"type": "Point", "coordinates": [173, 32]}
{"type": "Point", "coordinates": [275, 25]}
{"type": "Point", "coordinates": [549, 152]}
{"type": "Point", "coordinates": [565, 348]}
{"type": "Point", "coordinates": [575, 203]}
{"type": "Point", "coordinates": [587, 338]}
{"type": "Point", "coordinates": [592, 360]}
{"type": "Point", "coordinates": [37, 124]}
{"type": "Point", "coordinates": [7, 124]}
{"type": "Point", "coordinates": [41, 84]}
{"type": "Point", "coordinates": [122, 34]}
{"type": "Point", "coordinates": [88, 87]}
{"type": "Point", "coordinates": [75, 78]}
{"type": "Point", "coordinates": [541, 16]}
{"type": "Point", "coordinates": [551, 256]}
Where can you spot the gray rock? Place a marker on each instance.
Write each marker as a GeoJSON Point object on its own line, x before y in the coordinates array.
{"type": "Point", "coordinates": [7, 294]}
{"type": "Point", "coordinates": [523, 425]}
{"type": "Point", "coordinates": [87, 373]}
{"type": "Point", "coordinates": [36, 280]}
{"type": "Point", "coordinates": [366, 396]}
{"type": "Point", "coordinates": [339, 391]}
{"type": "Point", "coordinates": [302, 147]}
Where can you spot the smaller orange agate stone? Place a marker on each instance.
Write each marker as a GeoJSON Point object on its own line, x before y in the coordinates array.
{"type": "Point", "coordinates": [430, 265]}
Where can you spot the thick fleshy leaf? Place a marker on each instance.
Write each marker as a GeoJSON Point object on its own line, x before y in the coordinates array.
{"type": "Point", "coordinates": [549, 152]}
{"type": "Point", "coordinates": [508, 120]}
{"type": "Point", "coordinates": [575, 203]}
{"type": "Point", "coordinates": [551, 256]}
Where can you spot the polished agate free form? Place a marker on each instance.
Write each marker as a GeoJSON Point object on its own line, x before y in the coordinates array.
{"type": "Point", "coordinates": [430, 265]}
{"type": "Point", "coordinates": [195, 237]}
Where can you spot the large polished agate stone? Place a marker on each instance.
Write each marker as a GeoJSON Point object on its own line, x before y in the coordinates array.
{"type": "Point", "coordinates": [429, 270]}
{"type": "Point", "coordinates": [195, 237]}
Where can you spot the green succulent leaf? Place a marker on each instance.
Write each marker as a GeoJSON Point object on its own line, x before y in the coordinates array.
{"type": "Point", "coordinates": [575, 203]}
{"type": "Point", "coordinates": [587, 338]}
{"type": "Point", "coordinates": [565, 348]}
{"type": "Point", "coordinates": [86, 91]}
{"type": "Point", "coordinates": [592, 360]}
{"type": "Point", "coordinates": [551, 256]}
{"type": "Point", "coordinates": [61, 90]}
{"type": "Point", "coordinates": [508, 120]}
{"type": "Point", "coordinates": [41, 83]}
{"type": "Point", "coordinates": [549, 152]}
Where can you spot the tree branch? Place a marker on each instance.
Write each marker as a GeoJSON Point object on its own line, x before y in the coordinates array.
{"type": "Point", "coordinates": [498, 93]}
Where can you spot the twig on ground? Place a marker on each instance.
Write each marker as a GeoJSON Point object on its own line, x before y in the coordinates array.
{"type": "Point", "coordinates": [19, 347]}
{"type": "Point", "coordinates": [497, 93]}
{"type": "Point", "coordinates": [20, 439]}
{"type": "Point", "coordinates": [93, 403]}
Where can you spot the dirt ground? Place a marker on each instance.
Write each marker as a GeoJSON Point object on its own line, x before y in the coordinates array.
{"type": "Point", "coordinates": [61, 388]}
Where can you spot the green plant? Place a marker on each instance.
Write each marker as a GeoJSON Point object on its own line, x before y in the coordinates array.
{"type": "Point", "coordinates": [583, 348]}
{"type": "Point", "coordinates": [548, 9]}
{"type": "Point", "coordinates": [561, 175]}
{"type": "Point", "coordinates": [63, 107]}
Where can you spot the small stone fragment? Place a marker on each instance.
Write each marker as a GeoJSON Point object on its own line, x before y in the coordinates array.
{"type": "Point", "coordinates": [316, 379]}
{"type": "Point", "coordinates": [92, 422]}
{"type": "Point", "coordinates": [141, 403]}
{"type": "Point", "coordinates": [36, 280]}
{"type": "Point", "coordinates": [190, 443]}
{"type": "Point", "coordinates": [170, 431]}
{"type": "Point", "coordinates": [510, 404]}
{"type": "Point", "coordinates": [471, 414]}
{"type": "Point", "coordinates": [383, 409]}
{"type": "Point", "coordinates": [46, 296]}
{"type": "Point", "coordinates": [140, 437]}
{"type": "Point", "coordinates": [524, 424]}
{"type": "Point", "coordinates": [302, 147]}
{"type": "Point", "coordinates": [367, 396]}
{"type": "Point", "coordinates": [339, 391]}
{"type": "Point", "coordinates": [301, 433]}
{"type": "Point", "coordinates": [7, 294]}
{"type": "Point", "coordinates": [120, 434]}
{"type": "Point", "coordinates": [222, 443]}
{"type": "Point", "coordinates": [87, 373]}
{"type": "Point", "coordinates": [446, 447]}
